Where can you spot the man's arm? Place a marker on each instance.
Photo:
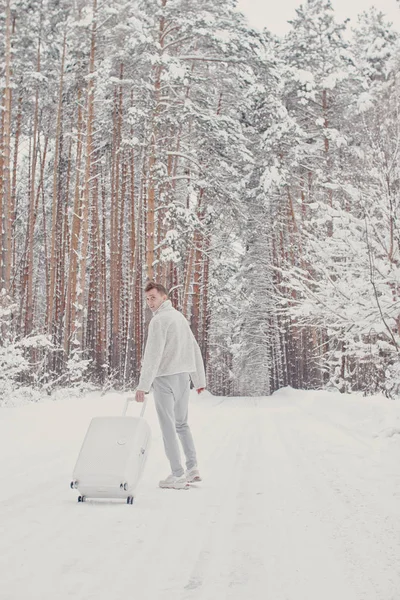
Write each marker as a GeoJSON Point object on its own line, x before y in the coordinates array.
{"type": "Point", "coordinates": [199, 376]}
{"type": "Point", "coordinates": [152, 355]}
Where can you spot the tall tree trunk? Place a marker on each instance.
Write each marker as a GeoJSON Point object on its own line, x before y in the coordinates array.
{"type": "Point", "coordinates": [14, 184]}
{"type": "Point", "coordinates": [129, 367]}
{"type": "Point", "coordinates": [71, 293]}
{"type": "Point", "coordinates": [116, 225]}
{"type": "Point", "coordinates": [205, 303]}
{"type": "Point", "coordinates": [192, 270]}
{"type": "Point", "coordinates": [32, 212]}
{"type": "Point", "coordinates": [327, 156]}
{"type": "Point", "coordinates": [54, 225]}
{"type": "Point", "coordinates": [87, 182]}
{"type": "Point", "coordinates": [196, 283]}
{"type": "Point", "coordinates": [94, 297]}
{"type": "Point", "coordinates": [151, 193]}
{"type": "Point", "coordinates": [5, 188]}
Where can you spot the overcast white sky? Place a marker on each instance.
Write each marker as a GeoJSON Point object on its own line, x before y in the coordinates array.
{"type": "Point", "coordinates": [274, 14]}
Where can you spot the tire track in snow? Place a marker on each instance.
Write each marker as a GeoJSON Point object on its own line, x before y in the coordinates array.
{"type": "Point", "coordinates": [187, 515]}
{"type": "Point", "coordinates": [278, 542]}
{"type": "Point", "coordinates": [360, 532]}
{"type": "Point", "coordinates": [210, 572]}
{"type": "Point", "coordinates": [276, 516]}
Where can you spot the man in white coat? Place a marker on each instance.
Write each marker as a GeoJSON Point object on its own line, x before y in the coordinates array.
{"type": "Point", "coordinates": [172, 357]}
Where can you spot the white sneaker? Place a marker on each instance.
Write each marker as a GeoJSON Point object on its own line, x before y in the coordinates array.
{"type": "Point", "coordinates": [193, 475]}
{"type": "Point", "coordinates": [175, 483]}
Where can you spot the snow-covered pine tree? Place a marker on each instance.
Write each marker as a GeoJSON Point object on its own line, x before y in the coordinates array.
{"type": "Point", "coordinates": [255, 177]}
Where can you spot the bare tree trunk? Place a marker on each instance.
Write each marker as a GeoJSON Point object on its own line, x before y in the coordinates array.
{"type": "Point", "coordinates": [57, 324]}
{"type": "Point", "coordinates": [54, 227]}
{"type": "Point", "coordinates": [14, 184]}
{"type": "Point", "coordinates": [116, 225]}
{"type": "Point", "coordinates": [129, 367]}
{"type": "Point", "coordinates": [132, 219]}
{"type": "Point", "coordinates": [120, 273]}
{"type": "Point", "coordinates": [94, 298]}
{"type": "Point", "coordinates": [205, 311]}
{"type": "Point", "coordinates": [45, 248]}
{"type": "Point", "coordinates": [32, 213]}
{"type": "Point", "coordinates": [102, 303]}
{"type": "Point", "coordinates": [65, 251]}
{"type": "Point", "coordinates": [87, 182]}
{"type": "Point", "coordinates": [5, 195]}
{"type": "Point", "coordinates": [151, 193]}
{"type": "Point", "coordinates": [138, 302]}
{"type": "Point", "coordinates": [195, 321]}
{"type": "Point", "coordinates": [188, 280]}
{"type": "Point", "coordinates": [327, 156]}
{"type": "Point", "coordinates": [193, 272]}
{"type": "Point", "coordinates": [71, 293]}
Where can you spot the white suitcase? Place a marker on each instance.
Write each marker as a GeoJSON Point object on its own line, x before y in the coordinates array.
{"type": "Point", "coordinates": [112, 457]}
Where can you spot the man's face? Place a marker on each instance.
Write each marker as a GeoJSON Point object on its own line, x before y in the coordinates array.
{"type": "Point", "coordinates": [154, 299]}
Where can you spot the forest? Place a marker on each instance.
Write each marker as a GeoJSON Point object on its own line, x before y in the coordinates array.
{"type": "Point", "coordinates": [256, 177]}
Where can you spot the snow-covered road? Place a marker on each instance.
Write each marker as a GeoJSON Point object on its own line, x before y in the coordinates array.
{"type": "Point", "coordinates": [300, 501]}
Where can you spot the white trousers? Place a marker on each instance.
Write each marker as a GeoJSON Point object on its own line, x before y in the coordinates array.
{"type": "Point", "coordinates": [171, 396]}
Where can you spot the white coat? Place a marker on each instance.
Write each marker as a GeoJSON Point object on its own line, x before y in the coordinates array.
{"type": "Point", "coordinates": [171, 348]}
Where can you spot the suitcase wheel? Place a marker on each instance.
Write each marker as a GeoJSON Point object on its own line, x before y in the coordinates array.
{"type": "Point", "coordinates": [129, 500]}
{"type": "Point", "coordinates": [123, 486]}
{"type": "Point", "coordinates": [81, 498]}
{"type": "Point", "coordinates": [73, 485]}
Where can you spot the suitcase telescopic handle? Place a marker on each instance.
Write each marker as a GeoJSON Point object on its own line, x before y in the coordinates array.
{"type": "Point", "coordinates": [131, 399]}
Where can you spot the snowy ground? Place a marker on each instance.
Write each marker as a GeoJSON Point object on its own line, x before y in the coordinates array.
{"type": "Point", "coordinates": [300, 501]}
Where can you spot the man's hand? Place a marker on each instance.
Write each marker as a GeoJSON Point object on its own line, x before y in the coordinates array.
{"type": "Point", "coordinates": [139, 396]}
{"type": "Point", "coordinates": [200, 390]}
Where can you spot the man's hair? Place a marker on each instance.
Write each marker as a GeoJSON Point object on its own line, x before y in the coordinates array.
{"type": "Point", "coordinates": [152, 285]}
